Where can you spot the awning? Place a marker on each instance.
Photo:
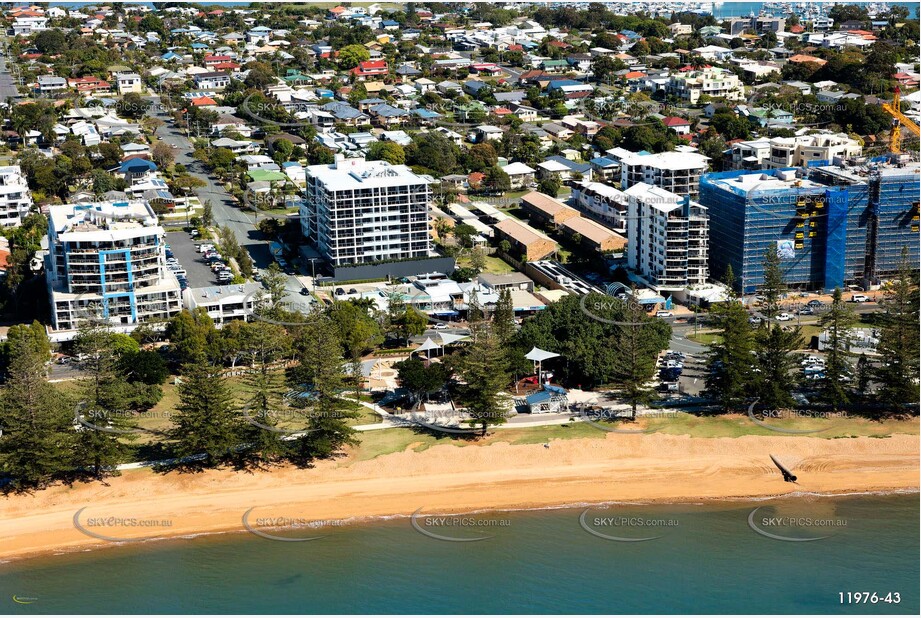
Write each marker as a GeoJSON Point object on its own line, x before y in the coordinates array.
{"type": "Point", "coordinates": [448, 338]}
{"type": "Point", "coordinates": [427, 345]}
{"type": "Point", "coordinates": [538, 355]}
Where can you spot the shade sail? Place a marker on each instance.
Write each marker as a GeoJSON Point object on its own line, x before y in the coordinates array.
{"type": "Point", "coordinates": [538, 355]}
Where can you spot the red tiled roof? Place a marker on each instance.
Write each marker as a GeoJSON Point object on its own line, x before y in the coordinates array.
{"type": "Point", "coordinates": [675, 121]}
{"type": "Point", "coordinates": [202, 101]}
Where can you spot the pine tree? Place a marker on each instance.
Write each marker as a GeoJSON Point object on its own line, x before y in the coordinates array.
{"type": "Point", "coordinates": [322, 373]}
{"type": "Point", "coordinates": [104, 405]}
{"type": "Point", "coordinates": [206, 422]}
{"type": "Point", "coordinates": [265, 345]}
{"type": "Point", "coordinates": [774, 286]}
{"type": "Point", "coordinates": [898, 341]}
{"type": "Point", "coordinates": [731, 359]}
{"type": "Point", "coordinates": [484, 368]}
{"type": "Point", "coordinates": [636, 352]}
{"type": "Point", "coordinates": [36, 423]}
{"type": "Point", "coordinates": [775, 345]}
{"type": "Point", "coordinates": [503, 318]}
{"type": "Point", "coordinates": [836, 322]}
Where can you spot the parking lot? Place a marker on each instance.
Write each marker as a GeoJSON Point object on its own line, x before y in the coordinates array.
{"type": "Point", "coordinates": [184, 250]}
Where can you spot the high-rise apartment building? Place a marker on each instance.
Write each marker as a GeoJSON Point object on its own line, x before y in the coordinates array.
{"type": "Point", "coordinates": [832, 225]}
{"type": "Point", "coordinates": [361, 212]}
{"type": "Point", "coordinates": [678, 172]}
{"type": "Point", "coordinates": [667, 238]}
{"type": "Point", "coordinates": [108, 260]}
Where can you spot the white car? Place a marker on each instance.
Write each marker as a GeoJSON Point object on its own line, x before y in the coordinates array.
{"type": "Point", "coordinates": [663, 314]}
{"type": "Point", "coordinates": [811, 360]}
{"type": "Point", "coordinates": [440, 326]}
{"type": "Point", "coordinates": [784, 317]}
{"type": "Point", "coordinates": [860, 298]}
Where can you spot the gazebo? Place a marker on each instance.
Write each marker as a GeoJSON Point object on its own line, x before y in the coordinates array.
{"type": "Point", "coordinates": [538, 356]}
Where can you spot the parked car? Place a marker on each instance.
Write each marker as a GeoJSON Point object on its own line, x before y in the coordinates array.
{"type": "Point", "coordinates": [806, 311]}
{"type": "Point", "coordinates": [664, 314]}
{"type": "Point", "coordinates": [784, 317]}
{"type": "Point", "coordinates": [860, 298]}
{"type": "Point", "coordinates": [339, 292]}
{"type": "Point", "coordinates": [814, 303]}
{"type": "Point", "coordinates": [305, 292]}
{"type": "Point", "coordinates": [754, 320]}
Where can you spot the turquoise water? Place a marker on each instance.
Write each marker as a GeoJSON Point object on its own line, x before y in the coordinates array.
{"type": "Point", "coordinates": [707, 559]}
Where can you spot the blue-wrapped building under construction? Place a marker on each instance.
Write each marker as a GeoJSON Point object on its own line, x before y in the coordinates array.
{"type": "Point", "coordinates": [832, 225]}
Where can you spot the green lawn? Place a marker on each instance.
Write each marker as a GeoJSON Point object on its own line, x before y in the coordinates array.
{"type": "Point", "coordinates": [494, 265]}
{"type": "Point", "coordinates": [736, 425]}
{"type": "Point", "coordinates": [706, 338]}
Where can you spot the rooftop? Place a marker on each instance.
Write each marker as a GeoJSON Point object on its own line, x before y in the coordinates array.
{"type": "Point", "coordinates": [359, 173]}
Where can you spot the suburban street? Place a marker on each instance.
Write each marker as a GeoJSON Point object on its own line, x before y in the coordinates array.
{"type": "Point", "coordinates": [7, 83]}
{"type": "Point", "coordinates": [226, 212]}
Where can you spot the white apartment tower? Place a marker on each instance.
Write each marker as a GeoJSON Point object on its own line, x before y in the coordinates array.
{"type": "Point", "coordinates": [108, 260]}
{"type": "Point", "coordinates": [15, 198]}
{"type": "Point", "coordinates": [361, 212]}
{"type": "Point", "coordinates": [678, 172]}
{"type": "Point", "coordinates": [666, 238]}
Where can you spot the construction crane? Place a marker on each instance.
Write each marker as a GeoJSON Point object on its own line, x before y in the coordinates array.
{"type": "Point", "coordinates": [900, 120]}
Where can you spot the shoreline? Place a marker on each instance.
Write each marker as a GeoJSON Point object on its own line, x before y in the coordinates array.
{"type": "Point", "coordinates": [615, 469]}
{"type": "Point", "coordinates": [728, 501]}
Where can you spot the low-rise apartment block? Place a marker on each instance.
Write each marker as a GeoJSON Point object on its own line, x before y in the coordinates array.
{"type": "Point", "coordinates": [713, 82]}
{"type": "Point", "coordinates": [15, 198]}
{"type": "Point", "coordinates": [799, 151]}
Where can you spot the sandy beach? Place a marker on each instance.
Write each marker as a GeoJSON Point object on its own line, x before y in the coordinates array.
{"type": "Point", "coordinates": [448, 479]}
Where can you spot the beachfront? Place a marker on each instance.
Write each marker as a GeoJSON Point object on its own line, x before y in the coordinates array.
{"type": "Point", "coordinates": [451, 478]}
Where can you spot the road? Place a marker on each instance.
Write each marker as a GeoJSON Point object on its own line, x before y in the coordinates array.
{"type": "Point", "coordinates": [8, 88]}
{"type": "Point", "coordinates": [226, 212]}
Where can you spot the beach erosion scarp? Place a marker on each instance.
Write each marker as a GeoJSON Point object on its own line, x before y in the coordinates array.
{"type": "Point", "coordinates": [146, 505]}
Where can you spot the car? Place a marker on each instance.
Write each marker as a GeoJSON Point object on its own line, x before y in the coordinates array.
{"type": "Point", "coordinates": [353, 291]}
{"type": "Point", "coordinates": [754, 320]}
{"type": "Point", "coordinates": [440, 326]}
{"type": "Point", "coordinates": [257, 276]}
{"type": "Point", "coordinates": [305, 292]}
{"type": "Point", "coordinates": [814, 304]}
{"type": "Point", "coordinates": [860, 298]}
{"type": "Point", "coordinates": [339, 292]}
{"type": "Point", "coordinates": [811, 360]}
{"type": "Point", "coordinates": [806, 311]}
{"type": "Point", "coordinates": [784, 317]}
{"type": "Point", "coordinates": [664, 314]}
{"type": "Point", "coordinates": [204, 247]}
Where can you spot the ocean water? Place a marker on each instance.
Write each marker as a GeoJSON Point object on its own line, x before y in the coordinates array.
{"type": "Point", "coordinates": [701, 558]}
